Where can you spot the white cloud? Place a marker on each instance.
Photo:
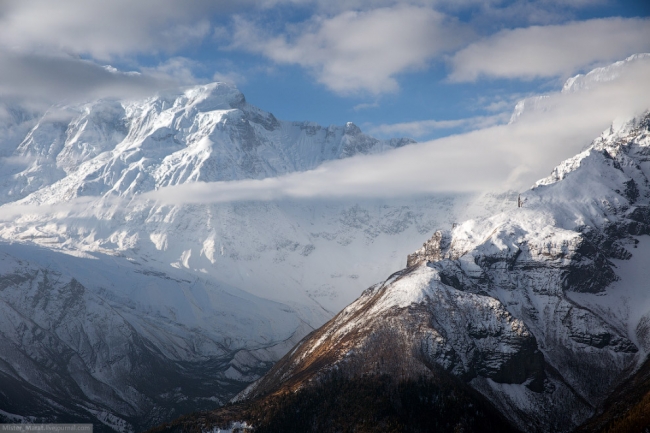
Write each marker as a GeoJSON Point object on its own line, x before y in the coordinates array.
{"type": "Point", "coordinates": [54, 51]}
{"type": "Point", "coordinates": [512, 156]}
{"type": "Point", "coordinates": [424, 127]}
{"type": "Point", "coordinates": [549, 51]}
{"type": "Point", "coordinates": [178, 70]}
{"type": "Point", "coordinates": [56, 77]}
{"type": "Point", "coordinates": [358, 51]}
{"type": "Point", "coordinates": [103, 29]}
{"type": "Point", "coordinates": [366, 106]}
{"type": "Point", "coordinates": [230, 77]}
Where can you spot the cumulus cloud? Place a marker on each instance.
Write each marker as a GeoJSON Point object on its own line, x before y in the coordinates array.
{"type": "Point", "coordinates": [358, 51]}
{"type": "Point", "coordinates": [55, 51]}
{"type": "Point", "coordinates": [549, 51]}
{"type": "Point", "coordinates": [103, 29]}
{"type": "Point", "coordinates": [57, 77]}
{"type": "Point", "coordinates": [503, 156]}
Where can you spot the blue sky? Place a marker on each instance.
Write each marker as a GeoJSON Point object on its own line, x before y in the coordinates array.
{"type": "Point", "coordinates": [376, 63]}
{"type": "Point", "coordinates": [291, 92]}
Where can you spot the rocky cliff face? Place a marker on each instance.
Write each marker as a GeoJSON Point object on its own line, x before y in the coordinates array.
{"type": "Point", "coordinates": [541, 309]}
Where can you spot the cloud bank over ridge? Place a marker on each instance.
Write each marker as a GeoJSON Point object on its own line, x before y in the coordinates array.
{"type": "Point", "coordinates": [504, 156]}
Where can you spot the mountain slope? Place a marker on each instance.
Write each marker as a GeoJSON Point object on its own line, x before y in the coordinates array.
{"type": "Point", "coordinates": [542, 309]}
{"type": "Point", "coordinates": [627, 408]}
{"type": "Point", "coordinates": [83, 339]}
{"type": "Point", "coordinates": [362, 404]}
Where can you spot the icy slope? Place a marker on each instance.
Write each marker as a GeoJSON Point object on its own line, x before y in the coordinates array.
{"type": "Point", "coordinates": [543, 309]}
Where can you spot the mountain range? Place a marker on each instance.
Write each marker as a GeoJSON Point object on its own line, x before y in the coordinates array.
{"type": "Point", "coordinates": [97, 283]}
{"type": "Point", "coordinates": [130, 312]}
{"type": "Point", "coordinates": [535, 319]}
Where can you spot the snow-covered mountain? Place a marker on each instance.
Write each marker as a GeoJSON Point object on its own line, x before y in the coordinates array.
{"type": "Point", "coordinates": [578, 83]}
{"type": "Point", "coordinates": [205, 133]}
{"type": "Point", "coordinates": [110, 149]}
{"type": "Point", "coordinates": [77, 160]}
{"type": "Point", "coordinates": [210, 294]}
{"type": "Point", "coordinates": [543, 309]}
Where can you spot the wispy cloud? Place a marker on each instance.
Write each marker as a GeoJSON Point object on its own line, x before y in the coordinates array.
{"type": "Point", "coordinates": [77, 206]}
{"type": "Point", "coordinates": [424, 127]}
{"type": "Point", "coordinates": [358, 51]}
{"type": "Point", "coordinates": [177, 70]}
{"type": "Point", "coordinates": [550, 51]}
{"type": "Point", "coordinates": [365, 106]}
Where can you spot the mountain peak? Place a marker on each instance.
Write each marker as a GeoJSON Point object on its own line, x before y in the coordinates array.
{"type": "Point", "coordinates": [352, 129]}
{"type": "Point", "coordinates": [213, 96]}
{"type": "Point", "coordinates": [523, 306]}
{"type": "Point", "coordinates": [602, 74]}
{"type": "Point", "coordinates": [577, 83]}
